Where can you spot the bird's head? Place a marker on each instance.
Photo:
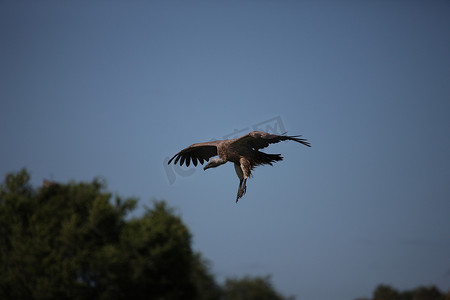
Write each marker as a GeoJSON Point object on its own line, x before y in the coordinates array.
{"type": "Point", "coordinates": [215, 162]}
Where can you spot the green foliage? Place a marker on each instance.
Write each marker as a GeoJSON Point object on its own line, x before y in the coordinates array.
{"type": "Point", "coordinates": [69, 241]}
{"type": "Point", "coordinates": [205, 284]}
{"type": "Point", "coordinates": [159, 245]}
{"type": "Point", "coordinates": [73, 241]}
{"type": "Point", "coordinates": [250, 288]}
{"type": "Point", "coordinates": [386, 292]}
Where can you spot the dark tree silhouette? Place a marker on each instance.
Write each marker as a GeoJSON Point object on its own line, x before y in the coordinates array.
{"type": "Point", "coordinates": [74, 241]}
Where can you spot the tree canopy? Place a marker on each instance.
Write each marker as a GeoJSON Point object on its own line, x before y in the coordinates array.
{"type": "Point", "coordinates": [75, 241]}
{"type": "Point", "coordinates": [250, 288]}
{"type": "Point", "coordinates": [387, 292]}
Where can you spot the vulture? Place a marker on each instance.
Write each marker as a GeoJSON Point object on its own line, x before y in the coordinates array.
{"type": "Point", "coordinates": [243, 152]}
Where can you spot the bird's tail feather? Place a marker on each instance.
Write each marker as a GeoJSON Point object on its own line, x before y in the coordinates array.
{"type": "Point", "coordinates": [264, 158]}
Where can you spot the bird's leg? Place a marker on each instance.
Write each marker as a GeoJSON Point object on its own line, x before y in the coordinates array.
{"type": "Point", "coordinates": [240, 193]}
{"type": "Point", "coordinates": [242, 189]}
{"type": "Point", "coordinates": [244, 185]}
{"type": "Point", "coordinates": [239, 173]}
{"type": "Point", "coordinates": [243, 170]}
{"type": "Point", "coordinates": [246, 168]}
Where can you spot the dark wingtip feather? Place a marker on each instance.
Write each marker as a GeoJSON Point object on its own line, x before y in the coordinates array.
{"type": "Point", "coordinates": [297, 139]}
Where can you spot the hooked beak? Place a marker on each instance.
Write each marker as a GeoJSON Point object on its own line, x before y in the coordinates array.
{"type": "Point", "coordinates": [205, 167]}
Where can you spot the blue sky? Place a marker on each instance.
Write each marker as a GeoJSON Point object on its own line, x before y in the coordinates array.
{"type": "Point", "coordinates": [114, 88]}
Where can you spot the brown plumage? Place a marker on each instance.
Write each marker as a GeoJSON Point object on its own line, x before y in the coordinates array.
{"type": "Point", "coordinates": [243, 152]}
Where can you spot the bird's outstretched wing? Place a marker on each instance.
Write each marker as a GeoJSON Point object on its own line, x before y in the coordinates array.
{"type": "Point", "coordinates": [199, 152]}
{"type": "Point", "coordinates": [259, 139]}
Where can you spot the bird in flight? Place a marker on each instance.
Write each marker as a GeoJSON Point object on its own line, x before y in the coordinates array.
{"type": "Point", "coordinates": [243, 152]}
